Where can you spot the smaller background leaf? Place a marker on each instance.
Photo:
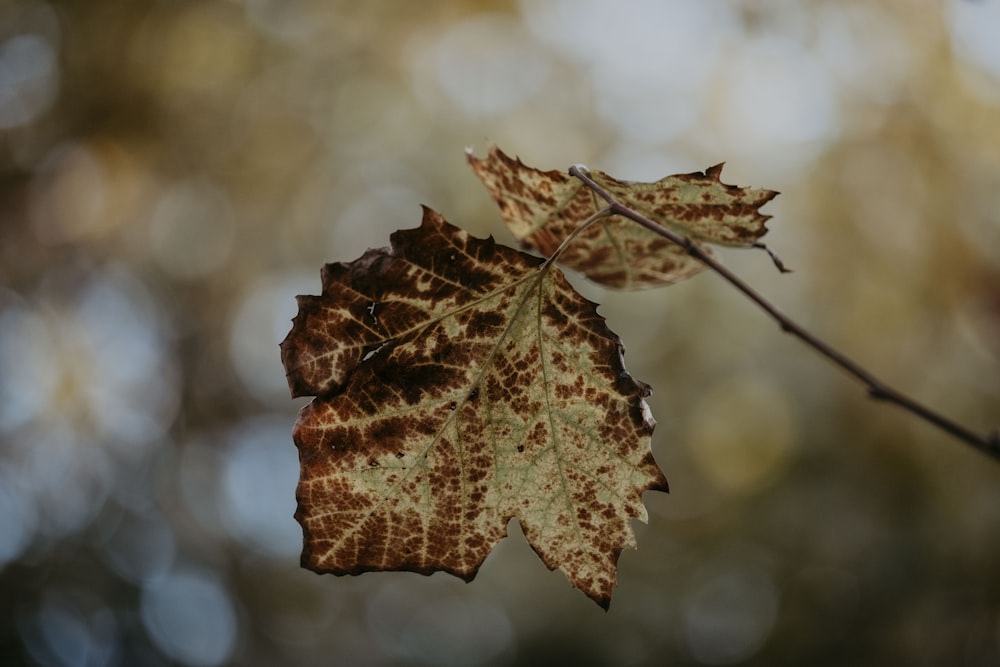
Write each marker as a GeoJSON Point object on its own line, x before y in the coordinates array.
{"type": "Point", "coordinates": [541, 208]}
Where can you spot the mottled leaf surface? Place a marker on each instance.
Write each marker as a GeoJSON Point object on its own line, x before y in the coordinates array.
{"type": "Point", "coordinates": [460, 383]}
{"type": "Point", "coordinates": [541, 208]}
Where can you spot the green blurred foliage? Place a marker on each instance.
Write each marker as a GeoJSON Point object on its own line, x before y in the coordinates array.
{"type": "Point", "coordinates": [172, 173]}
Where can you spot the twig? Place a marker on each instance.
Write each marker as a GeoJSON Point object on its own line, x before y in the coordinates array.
{"type": "Point", "coordinates": [878, 390]}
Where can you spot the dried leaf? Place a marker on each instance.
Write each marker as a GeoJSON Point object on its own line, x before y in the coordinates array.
{"type": "Point", "coordinates": [542, 207]}
{"type": "Point", "coordinates": [460, 383]}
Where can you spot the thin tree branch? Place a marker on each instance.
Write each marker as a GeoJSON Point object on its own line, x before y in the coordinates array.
{"type": "Point", "coordinates": [878, 390]}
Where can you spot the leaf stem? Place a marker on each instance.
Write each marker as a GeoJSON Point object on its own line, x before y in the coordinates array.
{"type": "Point", "coordinates": [877, 389]}
{"type": "Point", "coordinates": [605, 212]}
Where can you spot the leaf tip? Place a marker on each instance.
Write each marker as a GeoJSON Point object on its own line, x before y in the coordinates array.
{"type": "Point", "coordinates": [780, 265]}
{"type": "Point", "coordinates": [470, 157]}
{"type": "Point", "coordinates": [715, 171]}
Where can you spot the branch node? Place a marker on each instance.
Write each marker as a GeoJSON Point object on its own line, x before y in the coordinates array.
{"type": "Point", "coordinates": [877, 393]}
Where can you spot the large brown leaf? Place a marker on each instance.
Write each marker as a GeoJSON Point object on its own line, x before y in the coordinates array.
{"type": "Point", "coordinates": [541, 208]}
{"type": "Point", "coordinates": [460, 383]}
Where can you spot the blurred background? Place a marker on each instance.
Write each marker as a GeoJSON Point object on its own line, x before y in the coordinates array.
{"type": "Point", "coordinates": [174, 172]}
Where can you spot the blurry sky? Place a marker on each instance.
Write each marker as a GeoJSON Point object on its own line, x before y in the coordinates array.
{"type": "Point", "coordinates": [174, 172]}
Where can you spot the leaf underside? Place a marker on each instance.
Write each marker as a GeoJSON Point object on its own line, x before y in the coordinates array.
{"type": "Point", "coordinates": [460, 383]}
{"type": "Point", "coordinates": [541, 208]}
